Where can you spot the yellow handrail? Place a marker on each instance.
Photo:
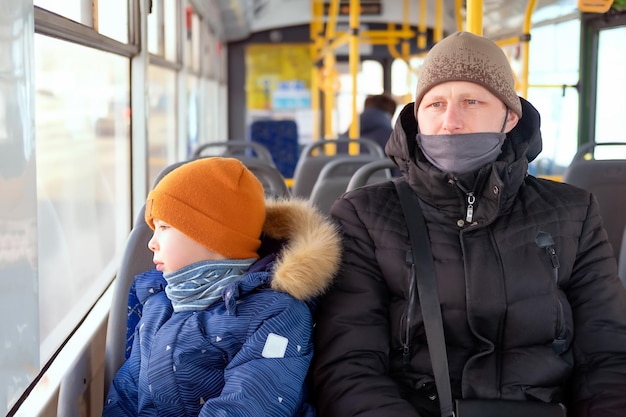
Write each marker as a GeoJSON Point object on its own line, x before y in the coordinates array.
{"type": "Point", "coordinates": [475, 17]}
{"type": "Point", "coordinates": [526, 47]}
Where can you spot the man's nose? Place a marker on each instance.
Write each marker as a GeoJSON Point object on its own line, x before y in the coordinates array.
{"type": "Point", "coordinates": [452, 120]}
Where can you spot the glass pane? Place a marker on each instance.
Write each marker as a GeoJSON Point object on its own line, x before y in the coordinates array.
{"type": "Point", "coordinates": [611, 90]}
{"type": "Point", "coordinates": [404, 78]}
{"type": "Point", "coordinates": [19, 322]}
{"type": "Point", "coordinates": [77, 10]}
{"type": "Point", "coordinates": [171, 29]}
{"type": "Point", "coordinates": [369, 81]}
{"type": "Point", "coordinates": [553, 63]}
{"type": "Point", "coordinates": [212, 98]}
{"type": "Point", "coordinates": [83, 161]}
{"type": "Point", "coordinates": [195, 43]}
{"type": "Point", "coordinates": [193, 116]}
{"type": "Point", "coordinates": [161, 120]}
{"type": "Point", "coordinates": [154, 29]}
{"type": "Point", "coordinates": [113, 19]}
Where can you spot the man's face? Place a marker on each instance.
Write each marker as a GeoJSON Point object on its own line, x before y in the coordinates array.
{"type": "Point", "coordinates": [458, 107]}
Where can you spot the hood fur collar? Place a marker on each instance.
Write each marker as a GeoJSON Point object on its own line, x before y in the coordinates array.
{"type": "Point", "coordinates": [308, 261]}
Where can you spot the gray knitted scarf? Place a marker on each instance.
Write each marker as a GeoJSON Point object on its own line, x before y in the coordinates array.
{"type": "Point", "coordinates": [197, 286]}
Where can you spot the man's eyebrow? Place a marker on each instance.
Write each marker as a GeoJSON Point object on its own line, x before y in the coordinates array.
{"type": "Point", "coordinates": [434, 97]}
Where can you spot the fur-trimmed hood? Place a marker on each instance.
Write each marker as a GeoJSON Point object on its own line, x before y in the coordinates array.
{"type": "Point", "coordinates": [311, 253]}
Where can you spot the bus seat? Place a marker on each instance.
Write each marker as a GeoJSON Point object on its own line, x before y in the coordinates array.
{"type": "Point", "coordinates": [243, 150]}
{"type": "Point", "coordinates": [273, 181]}
{"type": "Point", "coordinates": [606, 179]}
{"type": "Point", "coordinates": [312, 159]}
{"type": "Point", "coordinates": [368, 173]}
{"type": "Point", "coordinates": [334, 177]}
{"type": "Point", "coordinates": [137, 258]}
{"type": "Point", "coordinates": [280, 137]}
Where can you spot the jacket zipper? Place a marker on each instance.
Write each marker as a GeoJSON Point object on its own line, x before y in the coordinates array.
{"type": "Point", "coordinates": [555, 268]}
{"type": "Point", "coordinates": [471, 199]}
{"type": "Point", "coordinates": [406, 339]}
{"type": "Point", "coordinates": [545, 241]}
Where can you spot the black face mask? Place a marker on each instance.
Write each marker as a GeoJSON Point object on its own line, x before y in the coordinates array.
{"type": "Point", "coordinates": [462, 153]}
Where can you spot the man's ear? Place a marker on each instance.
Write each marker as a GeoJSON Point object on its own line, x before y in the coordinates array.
{"type": "Point", "coordinates": [511, 121]}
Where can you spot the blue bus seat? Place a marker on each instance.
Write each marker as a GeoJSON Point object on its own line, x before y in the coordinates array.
{"type": "Point", "coordinates": [334, 177]}
{"type": "Point", "coordinates": [280, 137]}
{"type": "Point", "coordinates": [606, 179]}
{"type": "Point", "coordinates": [309, 164]}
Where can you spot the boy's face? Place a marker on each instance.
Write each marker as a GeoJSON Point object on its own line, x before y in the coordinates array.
{"type": "Point", "coordinates": [174, 250]}
{"type": "Point", "coordinates": [457, 107]}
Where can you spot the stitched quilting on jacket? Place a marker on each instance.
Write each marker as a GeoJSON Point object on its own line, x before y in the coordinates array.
{"type": "Point", "coordinates": [245, 355]}
{"type": "Point", "coordinates": [531, 303]}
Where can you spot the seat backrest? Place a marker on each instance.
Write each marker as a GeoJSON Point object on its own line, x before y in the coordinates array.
{"type": "Point", "coordinates": [243, 150]}
{"type": "Point", "coordinates": [136, 259]}
{"type": "Point", "coordinates": [273, 181]}
{"type": "Point", "coordinates": [370, 173]}
{"type": "Point", "coordinates": [606, 179]}
{"type": "Point", "coordinates": [309, 164]}
{"type": "Point", "coordinates": [334, 178]}
{"type": "Point", "coordinates": [280, 137]}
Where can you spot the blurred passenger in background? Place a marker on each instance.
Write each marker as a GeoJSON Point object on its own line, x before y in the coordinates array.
{"type": "Point", "coordinates": [375, 120]}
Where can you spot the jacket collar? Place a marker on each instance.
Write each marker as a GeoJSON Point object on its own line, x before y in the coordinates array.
{"type": "Point", "coordinates": [301, 251]}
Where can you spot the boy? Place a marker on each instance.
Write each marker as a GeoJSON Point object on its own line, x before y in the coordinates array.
{"type": "Point", "coordinates": [226, 329]}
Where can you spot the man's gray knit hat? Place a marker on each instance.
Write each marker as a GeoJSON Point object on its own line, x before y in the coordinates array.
{"type": "Point", "coordinates": [464, 56]}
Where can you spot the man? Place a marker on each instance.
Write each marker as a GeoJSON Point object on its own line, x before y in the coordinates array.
{"type": "Point", "coordinates": [532, 306]}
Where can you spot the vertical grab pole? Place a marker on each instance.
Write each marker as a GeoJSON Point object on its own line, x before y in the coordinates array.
{"type": "Point", "coordinates": [354, 57]}
{"type": "Point", "coordinates": [526, 47]}
{"type": "Point", "coordinates": [475, 17]}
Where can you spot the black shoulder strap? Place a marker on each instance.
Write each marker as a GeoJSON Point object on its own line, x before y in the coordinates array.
{"type": "Point", "coordinates": [427, 292]}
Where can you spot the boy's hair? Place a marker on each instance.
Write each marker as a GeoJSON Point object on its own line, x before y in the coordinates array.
{"type": "Point", "coordinates": [215, 201]}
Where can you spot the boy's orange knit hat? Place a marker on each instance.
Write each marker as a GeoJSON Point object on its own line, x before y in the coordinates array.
{"type": "Point", "coordinates": [215, 201]}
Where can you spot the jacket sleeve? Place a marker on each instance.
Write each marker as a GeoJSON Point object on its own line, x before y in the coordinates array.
{"type": "Point", "coordinates": [598, 301]}
{"type": "Point", "coordinates": [267, 376]}
{"type": "Point", "coordinates": [352, 333]}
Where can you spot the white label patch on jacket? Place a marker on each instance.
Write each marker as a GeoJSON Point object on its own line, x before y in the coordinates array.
{"type": "Point", "coordinates": [275, 346]}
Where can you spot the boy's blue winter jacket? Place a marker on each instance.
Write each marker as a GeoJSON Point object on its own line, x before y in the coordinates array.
{"type": "Point", "coordinates": [246, 355]}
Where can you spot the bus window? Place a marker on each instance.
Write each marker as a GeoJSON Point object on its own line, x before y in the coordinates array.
{"type": "Point", "coordinates": [83, 180]}
{"type": "Point", "coordinates": [553, 65]}
{"type": "Point", "coordinates": [369, 81]}
{"type": "Point", "coordinates": [162, 143]}
{"type": "Point", "coordinates": [404, 80]}
{"type": "Point", "coordinates": [611, 90]}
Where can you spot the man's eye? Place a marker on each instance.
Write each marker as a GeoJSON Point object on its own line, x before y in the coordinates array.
{"type": "Point", "coordinates": [472, 101]}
